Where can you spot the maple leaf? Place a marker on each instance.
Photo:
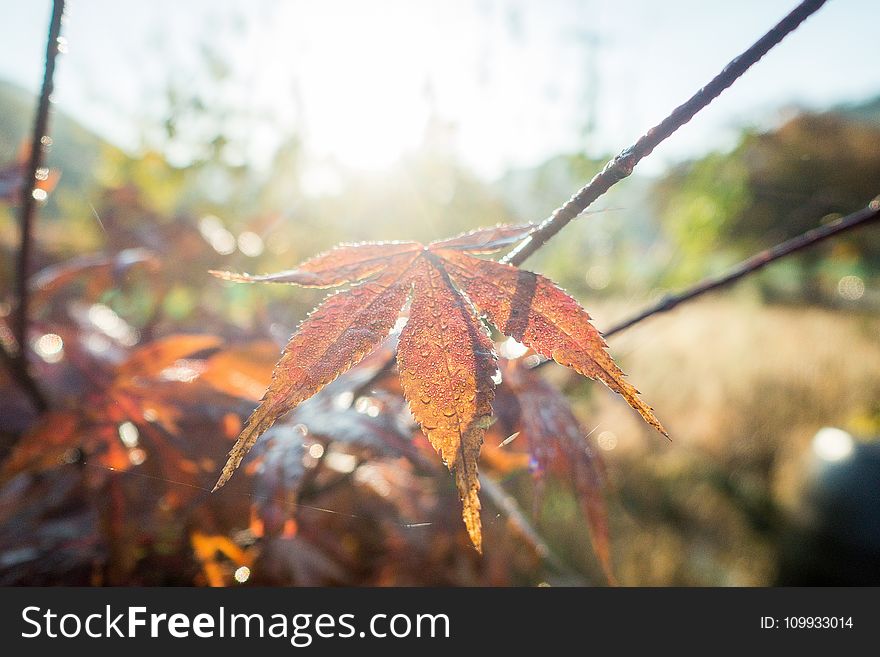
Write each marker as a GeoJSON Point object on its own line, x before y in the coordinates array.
{"type": "Point", "coordinates": [134, 390]}
{"type": "Point", "coordinates": [445, 358]}
{"type": "Point", "coordinates": [542, 417]}
{"type": "Point", "coordinates": [100, 272]}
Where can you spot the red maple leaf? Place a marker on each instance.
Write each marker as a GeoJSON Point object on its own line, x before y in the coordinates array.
{"type": "Point", "coordinates": [445, 357]}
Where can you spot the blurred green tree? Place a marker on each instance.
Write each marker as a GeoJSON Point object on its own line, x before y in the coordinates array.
{"type": "Point", "coordinates": [772, 186]}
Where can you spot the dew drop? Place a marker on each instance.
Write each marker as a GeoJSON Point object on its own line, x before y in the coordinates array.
{"type": "Point", "coordinates": [343, 400]}
{"type": "Point", "coordinates": [128, 434]}
{"type": "Point", "coordinates": [49, 347]}
{"type": "Point", "coordinates": [250, 244]}
{"type": "Point", "coordinates": [137, 456]}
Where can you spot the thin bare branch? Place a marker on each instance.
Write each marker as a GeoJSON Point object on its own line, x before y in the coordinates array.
{"type": "Point", "coordinates": [507, 504]}
{"type": "Point", "coordinates": [866, 215]}
{"type": "Point", "coordinates": [758, 261]}
{"type": "Point", "coordinates": [622, 165]}
{"type": "Point", "coordinates": [20, 375]}
{"type": "Point", "coordinates": [18, 362]}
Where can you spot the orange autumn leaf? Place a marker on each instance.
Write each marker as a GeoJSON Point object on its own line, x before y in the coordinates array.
{"type": "Point", "coordinates": [206, 548]}
{"type": "Point", "coordinates": [149, 360]}
{"type": "Point", "coordinates": [445, 358]}
{"type": "Point", "coordinates": [543, 418]}
{"type": "Point", "coordinates": [44, 446]}
{"type": "Point", "coordinates": [336, 335]}
{"type": "Point", "coordinates": [343, 264]}
{"type": "Point", "coordinates": [446, 366]}
{"type": "Point", "coordinates": [133, 392]}
{"type": "Point", "coordinates": [241, 370]}
{"type": "Point", "coordinates": [99, 270]}
{"type": "Point", "coordinates": [535, 311]}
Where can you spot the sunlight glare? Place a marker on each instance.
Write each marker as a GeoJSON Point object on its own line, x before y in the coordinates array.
{"type": "Point", "coordinates": [50, 347]}
{"type": "Point", "coordinates": [250, 244]}
{"type": "Point", "coordinates": [607, 440]}
{"type": "Point", "coordinates": [105, 318]}
{"type": "Point", "coordinates": [511, 349]}
{"type": "Point", "coordinates": [832, 444]}
{"type": "Point", "coordinates": [851, 288]}
{"type": "Point", "coordinates": [242, 574]}
{"type": "Point", "coordinates": [128, 434]}
{"type": "Point", "coordinates": [364, 78]}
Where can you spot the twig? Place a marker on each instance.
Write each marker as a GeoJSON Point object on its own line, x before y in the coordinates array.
{"type": "Point", "coordinates": [865, 216]}
{"type": "Point", "coordinates": [28, 202]}
{"type": "Point", "coordinates": [517, 519]}
{"type": "Point", "coordinates": [622, 165]}
{"type": "Point", "coordinates": [28, 211]}
{"type": "Point", "coordinates": [18, 370]}
{"type": "Point", "coordinates": [756, 262]}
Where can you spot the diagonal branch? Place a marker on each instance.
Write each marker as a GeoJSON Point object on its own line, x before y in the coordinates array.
{"type": "Point", "coordinates": [622, 165]}
{"type": "Point", "coordinates": [507, 504]}
{"type": "Point", "coordinates": [869, 214]}
{"type": "Point", "coordinates": [17, 362]}
{"type": "Point", "coordinates": [35, 161]}
{"type": "Point", "coordinates": [18, 370]}
{"type": "Point", "coordinates": [866, 215]}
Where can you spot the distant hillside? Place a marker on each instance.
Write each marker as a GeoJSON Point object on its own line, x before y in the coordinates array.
{"type": "Point", "coordinates": [75, 150]}
{"type": "Point", "coordinates": [867, 111]}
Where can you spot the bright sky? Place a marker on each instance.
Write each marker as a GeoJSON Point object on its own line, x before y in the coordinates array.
{"type": "Point", "coordinates": [518, 79]}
